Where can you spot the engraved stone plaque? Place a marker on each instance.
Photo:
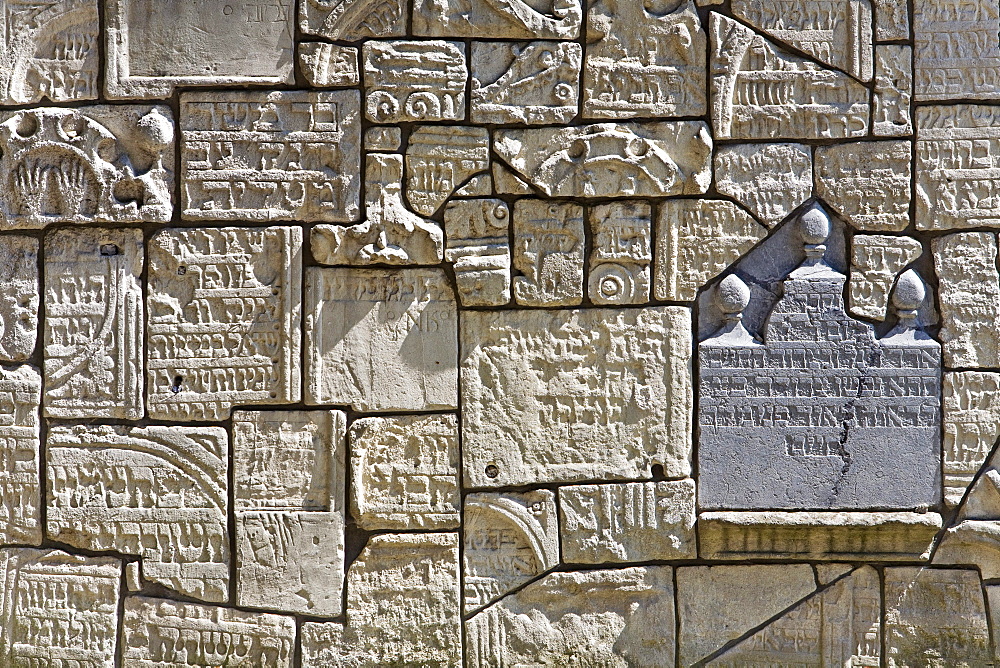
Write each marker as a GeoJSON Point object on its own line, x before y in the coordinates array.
{"type": "Point", "coordinates": [20, 486]}
{"type": "Point", "coordinates": [18, 297]}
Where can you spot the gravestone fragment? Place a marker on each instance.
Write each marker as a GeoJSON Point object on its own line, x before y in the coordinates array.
{"type": "Point", "coordinates": [621, 254]}
{"type": "Point", "coordinates": [20, 445]}
{"type": "Point", "coordinates": [535, 83]}
{"type": "Point", "coordinates": [549, 251]}
{"type": "Point", "coordinates": [478, 247]}
{"type": "Point", "coordinates": [770, 180]}
{"type": "Point", "coordinates": [19, 297]}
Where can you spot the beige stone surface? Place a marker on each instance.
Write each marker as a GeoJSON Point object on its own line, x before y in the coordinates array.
{"type": "Point", "coordinates": [328, 65]}
{"type": "Point", "coordinates": [381, 339]}
{"type": "Point", "coordinates": [627, 522]}
{"type": "Point", "coordinates": [535, 83]}
{"type": "Point", "coordinates": [404, 472]}
{"type": "Point", "coordinates": [161, 632]}
{"type": "Point", "coordinates": [93, 334]}
{"type": "Point", "coordinates": [611, 159]}
{"type": "Point", "coordinates": [622, 252]}
{"type": "Point", "coordinates": [769, 180]}
{"type": "Point", "coordinates": [971, 414]}
{"type": "Point", "coordinates": [289, 473]}
{"type": "Point", "coordinates": [440, 159]}
{"type": "Point", "coordinates": [717, 604]}
{"type": "Point", "coordinates": [509, 538]}
{"type": "Point", "coordinates": [876, 262]}
{"type": "Point", "coordinates": [224, 320]}
{"type": "Point", "coordinates": [543, 393]}
{"type": "Point", "coordinates": [893, 90]}
{"type": "Point", "coordinates": [549, 251]}
{"type": "Point", "coordinates": [151, 47]}
{"type": "Point", "coordinates": [698, 239]}
{"type": "Point", "coordinates": [644, 61]}
{"type": "Point", "coordinates": [551, 19]}
{"type": "Point", "coordinates": [353, 21]}
{"type": "Point", "coordinates": [384, 138]}
{"type": "Point", "coordinates": [414, 81]}
{"type": "Point", "coordinates": [892, 19]}
{"type": "Point", "coordinates": [951, 60]}
{"type": "Point", "coordinates": [867, 182]}
{"type": "Point", "coordinates": [812, 101]}
{"type": "Point", "coordinates": [19, 297]}
{"type": "Point", "coordinates": [604, 615]}
{"type": "Point", "coordinates": [966, 266]}
{"type": "Point", "coordinates": [93, 164]}
{"type": "Point", "coordinates": [478, 247]}
{"type": "Point", "coordinates": [58, 609]}
{"type": "Point", "coordinates": [270, 156]}
{"type": "Point", "coordinates": [143, 491]}
{"type": "Point", "coordinates": [20, 443]}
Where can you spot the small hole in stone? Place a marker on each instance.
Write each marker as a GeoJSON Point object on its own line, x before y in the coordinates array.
{"type": "Point", "coordinates": [109, 250]}
{"type": "Point", "coordinates": [182, 270]}
{"type": "Point", "coordinates": [492, 470]}
{"type": "Point", "coordinates": [658, 472]}
{"type": "Point", "coordinates": [176, 387]}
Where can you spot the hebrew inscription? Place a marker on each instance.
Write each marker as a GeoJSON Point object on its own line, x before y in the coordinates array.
{"type": "Point", "coordinates": [20, 484]}
{"type": "Point", "coordinates": [19, 292]}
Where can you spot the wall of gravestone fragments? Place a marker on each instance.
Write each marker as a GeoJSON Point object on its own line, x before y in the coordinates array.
{"type": "Point", "coordinates": [499, 333]}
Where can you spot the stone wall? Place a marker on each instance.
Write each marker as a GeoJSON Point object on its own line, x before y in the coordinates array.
{"type": "Point", "coordinates": [499, 333]}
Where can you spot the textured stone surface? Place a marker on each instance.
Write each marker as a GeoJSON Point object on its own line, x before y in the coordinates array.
{"type": "Point", "coordinates": [535, 83]}
{"type": "Point", "coordinates": [440, 160]}
{"type": "Point", "coordinates": [892, 19]}
{"type": "Point", "coordinates": [519, 427]}
{"type": "Point", "coordinates": [20, 485]}
{"type": "Point", "coordinates": [19, 297]}
{"type": "Point", "coordinates": [971, 408]}
{"type": "Point", "coordinates": [330, 65]}
{"type": "Point", "coordinates": [353, 21]}
{"type": "Point", "coordinates": [554, 19]}
{"type": "Point", "coordinates": [966, 265]}
{"type": "Point", "coordinates": [549, 249]}
{"type": "Point", "coordinates": [479, 250]}
{"type": "Point", "coordinates": [867, 182]}
{"type": "Point", "coordinates": [876, 261]}
{"type": "Point", "coordinates": [893, 90]}
{"type": "Point", "coordinates": [770, 180]}
{"type": "Point", "coordinates": [952, 59]}
{"type": "Point", "coordinates": [622, 253]}
{"type": "Point", "coordinates": [414, 81]}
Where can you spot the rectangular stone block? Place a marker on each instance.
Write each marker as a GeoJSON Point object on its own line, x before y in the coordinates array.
{"type": "Point", "coordinates": [414, 81]}
{"type": "Point", "coordinates": [329, 65]}
{"type": "Point", "coordinates": [20, 475]}
{"type": "Point", "coordinates": [966, 267]}
{"type": "Point", "coordinates": [955, 57]}
{"type": "Point", "coordinates": [478, 246]}
{"type": "Point", "coordinates": [152, 46]}
{"type": "Point", "coordinates": [544, 392]}
{"type": "Point", "coordinates": [93, 323]}
{"type": "Point", "coordinates": [535, 83]}
{"type": "Point", "coordinates": [353, 22]}
{"type": "Point", "coordinates": [622, 253]}
{"type": "Point", "coordinates": [224, 320]}
{"type": "Point", "coordinates": [552, 19]}
{"type": "Point", "coordinates": [19, 291]}
{"type": "Point", "coordinates": [381, 339]}
{"type": "Point", "coordinates": [268, 156]}
{"type": "Point", "coordinates": [867, 182]}
{"type": "Point", "coordinates": [549, 251]}
{"type": "Point", "coordinates": [893, 91]}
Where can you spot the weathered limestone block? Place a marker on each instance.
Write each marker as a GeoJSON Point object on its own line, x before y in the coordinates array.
{"type": "Point", "coordinates": [623, 522]}
{"type": "Point", "coordinates": [717, 604]}
{"type": "Point", "coordinates": [390, 234]}
{"type": "Point", "coordinates": [48, 50]}
{"type": "Point", "coordinates": [892, 20]}
{"type": "Point", "coordinates": [820, 536]}
{"type": "Point", "coordinates": [479, 250]}
{"type": "Point", "coordinates": [622, 251]}
{"type": "Point", "coordinates": [161, 632]}
{"type": "Point", "coordinates": [402, 607]}
{"type": "Point", "coordinates": [956, 184]}
{"type": "Point", "coordinates": [384, 138]}
{"type": "Point", "coordinates": [954, 55]}
{"type": "Point", "coordinates": [697, 239]}
{"type": "Point", "coordinates": [966, 265]}
{"type": "Point", "coordinates": [517, 19]}
{"type": "Point", "coordinates": [18, 297]}
{"type": "Point", "coordinates": [544, 392]}
{"type": "Point", "coordinates": [381, 339]}
{"type": "Point", "coordinates": [146, 492]}
{"type": "Point", "coordinates": [97, 164]}
{"type": "Point", "coordinates": [770, 180]}
{"type": "Point", "coordinates": [971, 427]}
{"type": "Point", "coordinates": [93, 323]}
{"type": "Point", "coordinates": [643, 63]}
{"type": "Point", "coordinates": [439, 160]}
{"type": "Point", "coordinates": [868, 183]}
{"type": "Point", "coordinates": [935, 615]}
{"type": "Point", "coordinates": [152, 46]}
{"type": "Point", "coordinates": [611, 617]}
{"type": "Point", "coordinates": [58, 609]}
{"type": "Point", "coordinates": [20, 491]}
{"type": "Point", "coordinates": [353, 20]}
{"type": "Point", "coordinates": [838, 34]}
{"type": "Point", "coordinates": [263, 156]}
{"type": "Point", "coordinates": [405, 472]}
{"type": "Point", "coordinates": [328, 65]}
{"type": "Point", "coordinates": [224, 320]}
{"type": "Point", "coordinates": [760, 91]}
{"type": "Point", "coordinates": [289, 470]}
{"type": "Point", "coordinates": [414, 81]}
{"type": "Point", "coordinates": [549, 251]}
{"type": "Point", "coordinates": [506, 182]}
{"type": "Point", "coordinates": [611, 159]}
{"type": "Point", "coordinates": [840, 626]}
{"type": "Point", "coordinates": [893, 90]}
{"type": "Point", "coordinates": [509, 539]}
{"type": "Point", "coordinates": [534, 83]}
{"type": "Point", "coordinates": [876, 261]}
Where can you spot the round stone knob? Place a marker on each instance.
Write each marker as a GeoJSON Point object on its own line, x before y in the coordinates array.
{"type": "Point", "coordinates": [814, 226]}
{"type": "Point", "coordinates": [732, 295]}
{"type": "Point", "coordinates": [910, 291]}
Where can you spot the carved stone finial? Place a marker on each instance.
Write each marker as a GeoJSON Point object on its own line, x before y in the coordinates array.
{"type": "Point", "coordinates": [732, 295]}
{"type": "Point", "coordinates": [814, 226]}
{"type": "Point", "coordinates": [909, 294]}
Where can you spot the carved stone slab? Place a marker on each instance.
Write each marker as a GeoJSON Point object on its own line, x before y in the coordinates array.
{"type": "Point", "coordinates": [971, 427]}
{"type": "Point", "coordinates": [18, 297]}
{"type": "Point", "coordinates": [58, 609]}
{"type": "Point", "coordinates": [770, 180]}
{"type": "Point", "coordinates": [953, 54]}
{"type": "Point", "coordinates": [353, 20]}
{"type": "Point", "coordinates": [161, 632]}
{"type": "Point", "coordinates": [106, 164]}
{"type": "Point", "coordinates": [644, 63]}
{"type": "Point", "coordinates": [381, 339]}
{"type": "Point", "coordinates": [529, 417]}
{"type": "Point", "coordinates": [263, 156]}
{"type": "Point", "coordinates": [479, 250]}
{"type": "Point", "coordinates": [145, 491]}
{"type": "Point", "coordinates": [289, 471]}
{"type": "Point", "coordinates": [405, 472]}
{"type": "Point", "coordinates": [20, 495]}
{"type": "Point", "coordinates": [509, 539]}
{"type": "Point", "coordinates": [893, 90]}
{"type": "Point", "coordinates": [876, 261]}
{"type": "Point", "coordinates": [892, 19]}
{"type": "Point", "coordinates": [517, 19]}
{"type": "Point", "coordinates": [622, 252]}
{"type": "Point", "coordinates": [608, 614]}
{"type": "Point", "coordinates": [93, 323]}
{"type": "Point", "coordinates": [414, 81]}
{"type": "Point", "coordinates": [535, 83]}
{"type": "Point", "coordinates": [867, 182]}
{"type": "Point", "coordinates": [328, 65]}
{"type": "Point", "coordinates": [440, 160]}
{"type": "Point", "coordinates": [549, 250]}
{"type": "Point", "coordinates": [623, 522]}
{"type": "Point", "coordinates": [224, 313]}
{"type": "Point", "coordinates": [151, 47]}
